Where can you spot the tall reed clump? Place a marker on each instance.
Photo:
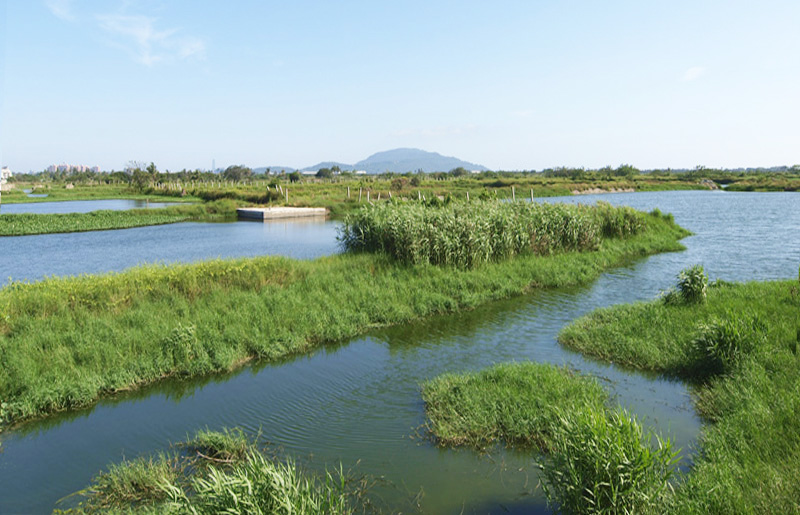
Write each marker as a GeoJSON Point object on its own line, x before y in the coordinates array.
{"type": "Point", "coordinates": [605, 462]}
{"type": "Point", "coordinates": [465, 235]}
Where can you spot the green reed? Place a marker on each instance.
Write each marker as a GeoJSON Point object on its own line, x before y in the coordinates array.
{"type": "Point", "coordinates": [467, 234]}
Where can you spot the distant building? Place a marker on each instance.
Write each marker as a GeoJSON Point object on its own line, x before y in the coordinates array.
{"type": "Point", "coordinates": [5, 175]}
{"type": "Point", "coordinates": [72, 168]}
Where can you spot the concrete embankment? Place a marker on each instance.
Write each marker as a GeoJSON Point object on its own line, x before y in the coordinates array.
{"type": "Point", "coordinates": [271, 213]}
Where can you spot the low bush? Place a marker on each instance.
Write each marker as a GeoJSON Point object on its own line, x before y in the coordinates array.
{"type": "Point", "coordinates": [721, 343]}
{"type": "Point", "coordinates": [693, 284]}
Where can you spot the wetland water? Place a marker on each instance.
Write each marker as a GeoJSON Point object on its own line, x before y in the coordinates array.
{"type": "Point", "coordinates": [360, 400]}
{"type": "Point", "coordinates": [79, 206]}
{"type": "Point", "coordinates": [34, 257]}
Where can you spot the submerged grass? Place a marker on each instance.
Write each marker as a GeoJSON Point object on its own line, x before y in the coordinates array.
{"type": "Point", "coordinates": [237, 478]}
{"type": "Point", "coordinates": [64, 342]}
{"type": "Point", "coordinates": [739, 349]}
{"type": "Point", "coordinates": [28, 224]}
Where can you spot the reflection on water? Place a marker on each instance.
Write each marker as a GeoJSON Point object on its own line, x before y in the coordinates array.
{"type": "Point", "coordinates": [358, 403]}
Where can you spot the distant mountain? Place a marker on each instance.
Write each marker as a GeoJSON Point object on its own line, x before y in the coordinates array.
{"type": "Point", "coordinates": [401, 160]}
{"type": "Point", "coordinates": [327, 164]}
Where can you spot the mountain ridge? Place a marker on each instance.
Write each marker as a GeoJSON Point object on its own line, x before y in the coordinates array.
{"type": "Point", "coordinates": [397, 160]}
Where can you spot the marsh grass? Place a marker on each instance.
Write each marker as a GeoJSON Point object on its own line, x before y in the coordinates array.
{"type": "Point", "coordinates": [131, 484]}
{"type": "Point", "coordinates": [236, 476]}
{"type": "Point", "coordinates": [64, 342]}
{"type": "Point", "coordinates": [221, 446]}
{"type": "Point", "coordinates": [736, 348]}
{"type": "Point", "coordinates": [28, 224]}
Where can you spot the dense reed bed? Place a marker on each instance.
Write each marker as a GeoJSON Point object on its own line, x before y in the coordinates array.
{"type": "Point", "coordinates": [64, 342]}
{"type": "Point", "coordinates": [739, 348]}
{"type": "Point", "coordinates": [597, 459]}
{"type": "Point", "coordinates": [466, 234]}
{"type": "Point", "coordinates": [216, 472]}
{"type": "Point", "coordinates": [27, 224]}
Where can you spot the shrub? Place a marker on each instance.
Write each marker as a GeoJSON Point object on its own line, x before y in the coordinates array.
{"type": "Point", "coordinates": [604, 462]}
{"type": "Point", "coordinates": [722, 343]}
{"type": "Point", "coordinates": [692, 284]}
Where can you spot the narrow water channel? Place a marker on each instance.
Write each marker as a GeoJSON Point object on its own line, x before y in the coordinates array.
{"type": "Point", "coordinates": [358, 403]}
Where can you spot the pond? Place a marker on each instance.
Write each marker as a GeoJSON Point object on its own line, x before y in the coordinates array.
{"type": "Point", "coordinates": [358, 402]}
{"type": "Point", "coordinates": [78, 206]}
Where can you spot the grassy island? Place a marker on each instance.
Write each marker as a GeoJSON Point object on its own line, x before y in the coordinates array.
{"type": "Point", "coordinates": [64, 342]}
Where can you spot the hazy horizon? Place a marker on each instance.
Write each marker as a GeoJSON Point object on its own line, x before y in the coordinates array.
{"type": "Point", "coordinates": [511, 86]}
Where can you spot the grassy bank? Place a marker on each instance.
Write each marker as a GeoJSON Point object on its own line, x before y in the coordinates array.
{"type": "Point", "coordinates": [28, 224]}
{"type": "Point", "coordinates": [739, 348]}
{"type": "Point", "coordinates": [216, 472]}
{"type": "Point", "coordinates": [65, 342]}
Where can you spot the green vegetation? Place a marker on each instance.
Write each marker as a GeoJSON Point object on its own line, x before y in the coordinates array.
{"type": "Point", "coordinates": [739, 349]}
{"type": "Point", "coordinates": [66, 341]}
{"type": "Point", "coordinates": [598, 460]}
{"type": "Point", "coordinates": [466, 234]}
{"type": "Point", "coordinates": [604, 462]}
{"type": "Point", "coordinates": [519, 403]}
{"type": "Point", "coordinates": [26, 224]}
{"type": "Point", "coordinates": [217, 472]}
{"type": "Point", "coordinates": [57, 192]}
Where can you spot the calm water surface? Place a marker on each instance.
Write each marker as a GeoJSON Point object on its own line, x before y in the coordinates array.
{"type": "Point", "coordinates": [360, 400]}
{"type": "Point", "coordinates": [34, 257]}
{"type": "Point", "coordinates": [79, 206]}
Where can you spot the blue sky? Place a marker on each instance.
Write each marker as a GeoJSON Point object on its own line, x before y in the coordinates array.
{"type": "Point", "coordinates": [507, 84]}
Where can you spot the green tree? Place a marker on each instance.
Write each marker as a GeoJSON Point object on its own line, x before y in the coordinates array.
{"type": "Point", "coordinates": [325, 173]}
{"type": "Point", "coordinates": [294, 176]}
{"type": "Point", "coordinates": [237, 173]}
